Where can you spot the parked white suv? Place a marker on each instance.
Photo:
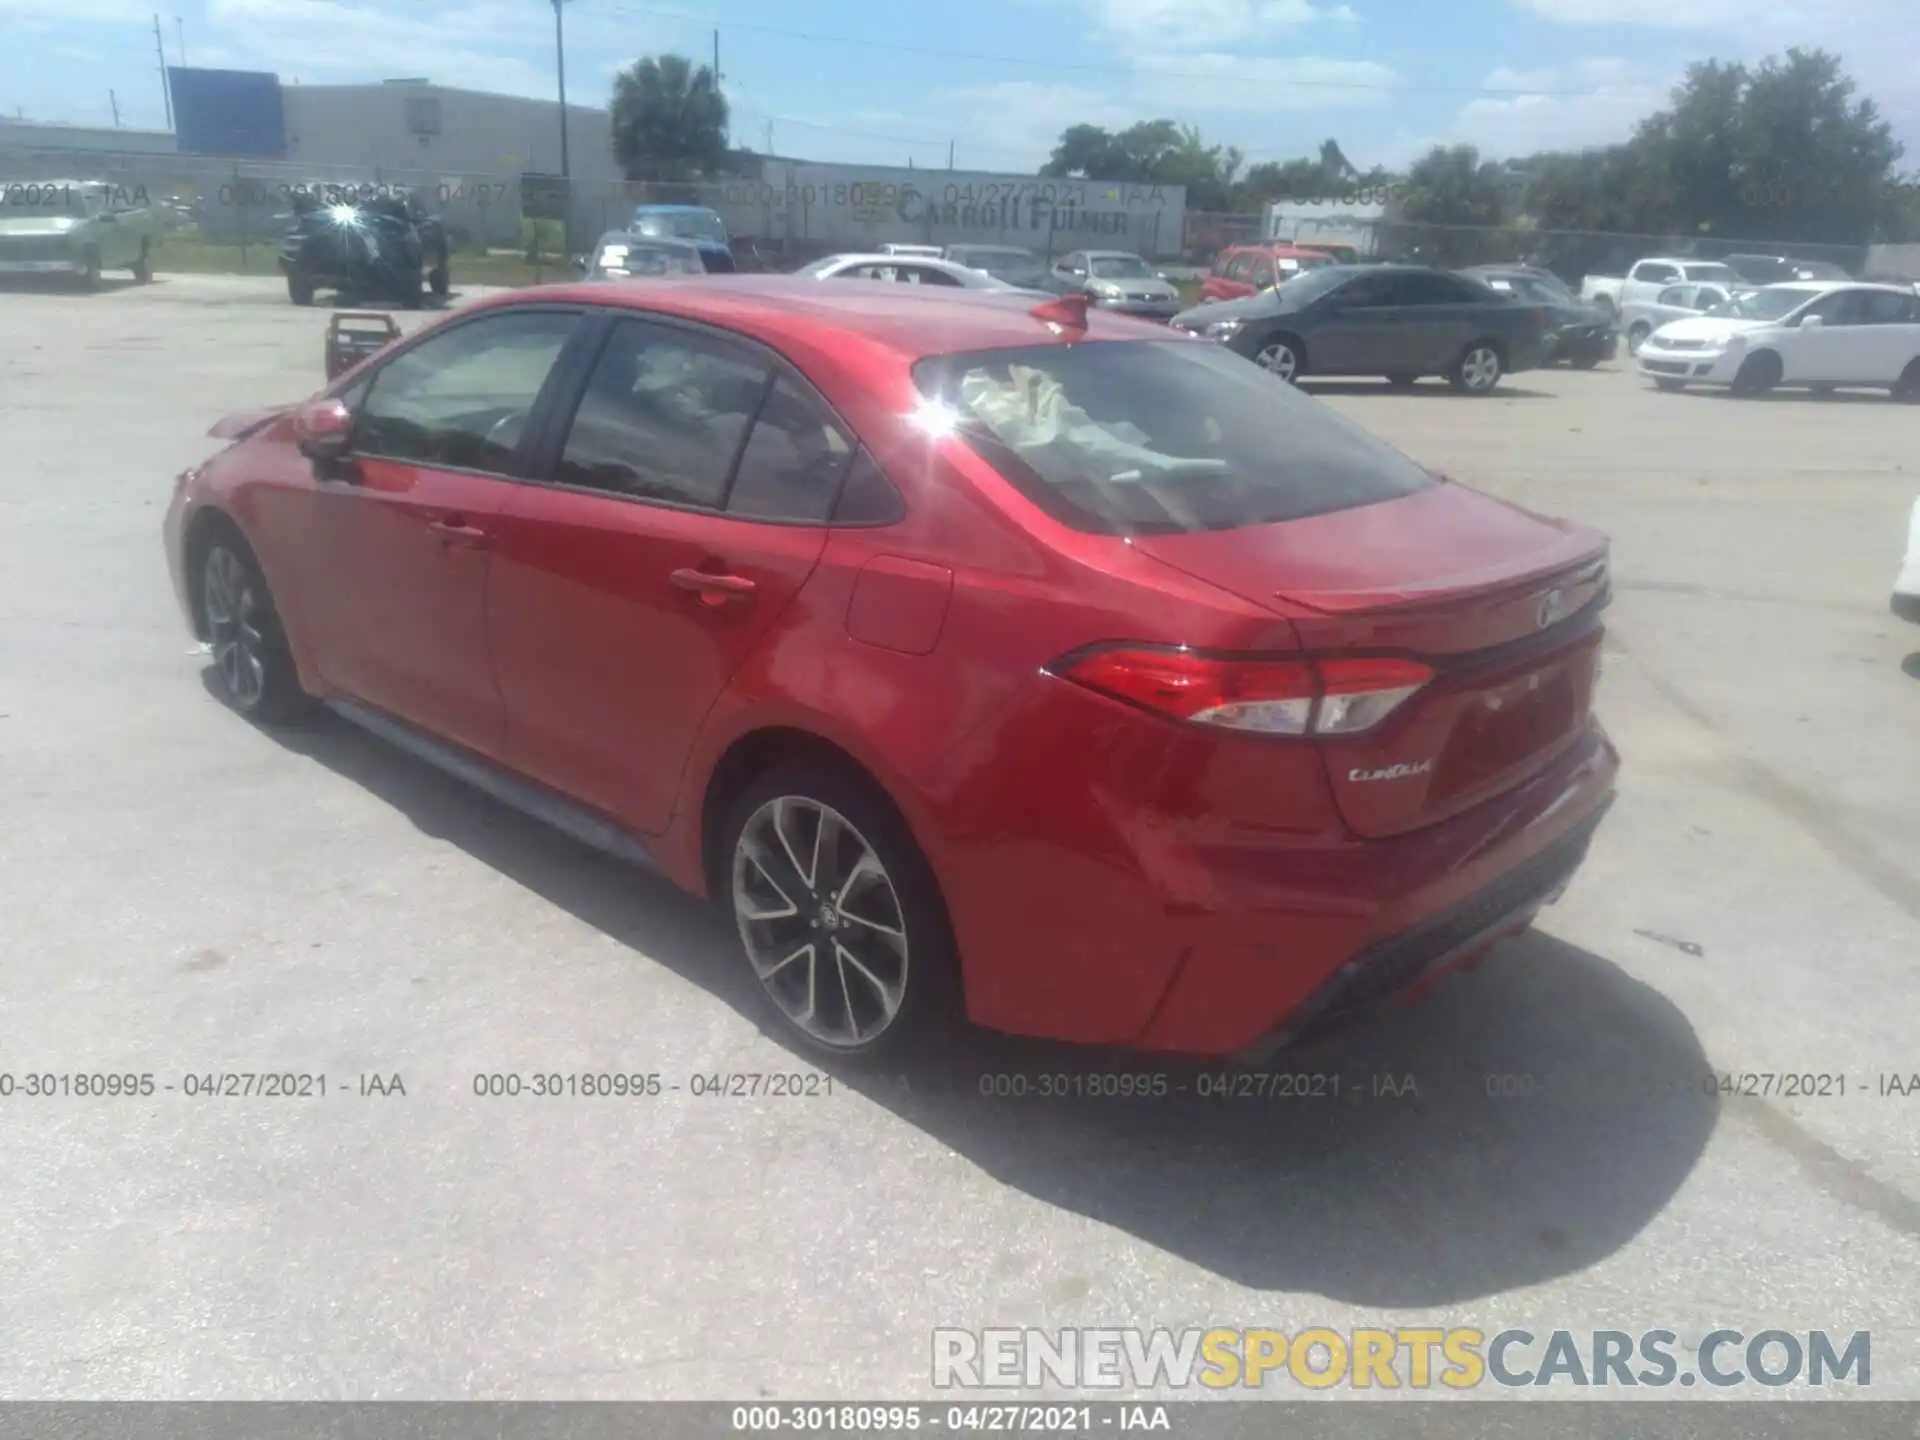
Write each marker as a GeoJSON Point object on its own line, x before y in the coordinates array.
{"type": "Point", "coordinates": [1648, 278]}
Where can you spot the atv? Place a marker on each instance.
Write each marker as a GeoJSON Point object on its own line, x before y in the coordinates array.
{"type": "Point", "coordinates": [367, 246]}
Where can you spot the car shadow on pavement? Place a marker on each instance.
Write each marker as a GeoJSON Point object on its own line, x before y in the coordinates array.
{"type": "Point", "coordinates": [1526, 1121]}
{"type": "Point", "coordinates": [1423, 390]}
{"type": "Point", "coordinates": [67, 285]}
{"type": "Point", "coordinates": [1910, 667]}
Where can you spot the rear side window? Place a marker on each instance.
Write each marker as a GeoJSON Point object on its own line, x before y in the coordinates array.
{"type": "Point", "coordinates": [663, 415]}
{"type": "Point", "coordinates": [794, 460]}
{"type": "Point", "coordinates": [1155, 437]}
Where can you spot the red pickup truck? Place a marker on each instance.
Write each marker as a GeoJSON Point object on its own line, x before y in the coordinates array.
{"type": "Point", "coordinates": [1247, 269]}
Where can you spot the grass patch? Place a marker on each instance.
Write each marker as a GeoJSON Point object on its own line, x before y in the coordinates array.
{"type": "Point", "coordinates": [186, 255]}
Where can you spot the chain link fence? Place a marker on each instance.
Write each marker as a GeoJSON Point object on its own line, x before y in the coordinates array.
{"type": "Point", "coordinates": [1572, 254]}
{"type": "Point", "coordinates": [244, 204]}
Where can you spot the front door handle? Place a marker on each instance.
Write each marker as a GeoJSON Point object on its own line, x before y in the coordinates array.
{"type": "Point", "coordinates": [712, 588]}
{"type": "Point", "coordinates": [454, 530]}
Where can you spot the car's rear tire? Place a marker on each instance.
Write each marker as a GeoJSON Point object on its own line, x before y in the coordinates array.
{"type": "Point", "coordinates": [90, 271]}
{"type": "Point", "coordinates": [1636, 337]}
{"type": "Point", "coordinates": [1478, 370]}
{"type": "Point", "coordinates": [1584, 362]}
{"type": "Point", "coordinates": [143, 267]}
{"type": "Point", "coordinates": [1283, 357]}
{"type": "Point", "coordinates": [440, 281]}
{"type": "Point", "coordinates": [412, 290]}
{"type": "Point", "coordinates": [253, 668]}
{"type": "Point", "coordinates": [839, 915]}
{"type": "Point", "coordinates": [299, 288]}
{"type": "Point", "coordinates": [1758, 374]}
{"type": "Point", "coordinates": [1907, 387]}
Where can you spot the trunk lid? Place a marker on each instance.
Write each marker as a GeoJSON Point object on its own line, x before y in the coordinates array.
{"type": "Point", "coordinates": [1500, 604]}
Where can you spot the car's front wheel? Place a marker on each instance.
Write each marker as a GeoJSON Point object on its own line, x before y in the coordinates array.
{"type": "Point", "coordinates": [1280, 356]}
{"type": "Point", "coordinates": [253, 667]}
{"type": "Point", "coordinates": [1907, 387]}
{"type": "Point", "coordinates": [1636, 337]}
{"type": "Point", "coordinates": [838, 913]}
{"type": "Point", "coordinates": [143, 265]}
{"type": "Point", "coordinates": [299, 288]}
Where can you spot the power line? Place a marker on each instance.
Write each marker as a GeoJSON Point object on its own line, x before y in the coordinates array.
{"type": "Point", "coordinates": [1083, 67]}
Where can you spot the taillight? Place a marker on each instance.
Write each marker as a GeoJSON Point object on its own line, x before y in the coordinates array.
{"type": "Point", "coordinates": [1330, 696]}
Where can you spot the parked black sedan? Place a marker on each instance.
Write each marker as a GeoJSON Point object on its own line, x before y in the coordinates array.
{"type": "Point", "coordinates": [1578, 333]}
{"type": "Point", "coordinates": [1400, 321]}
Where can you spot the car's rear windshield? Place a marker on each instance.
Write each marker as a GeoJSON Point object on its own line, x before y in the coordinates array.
{"type": "Point", "coordinates": [1147, 437]}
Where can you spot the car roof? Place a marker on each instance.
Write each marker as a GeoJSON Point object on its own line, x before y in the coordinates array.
{"type": "Point", "coordinates": [1110, 254]}
{"type": "Point", "coordinates": [675, 209]}
{"type": "Point", "coordinates": [672, 242]}
{"type": "Point", "coordinates": [1824, 285]}
{"type": "Point", "coordinates": [911, 321]}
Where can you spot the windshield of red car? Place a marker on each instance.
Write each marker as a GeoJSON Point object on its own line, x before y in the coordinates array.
{"type": "Point", "coordinates": [1159, 436]}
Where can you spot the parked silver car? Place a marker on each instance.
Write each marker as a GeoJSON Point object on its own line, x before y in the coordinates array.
{"type": "Point", "coordinates": [1121, 281]}
{"type": "Point", "coordinates": [903, 270]}
{"type": "Point", "coordinates": [1640, 318]}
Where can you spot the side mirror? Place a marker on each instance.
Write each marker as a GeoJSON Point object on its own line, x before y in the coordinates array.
{"type": "Point", "coordinates": [580, 264]}
{"type": "Point", "coordinates": [1811, 322]}
{"type": "Point", "coordinates": [321, 429]}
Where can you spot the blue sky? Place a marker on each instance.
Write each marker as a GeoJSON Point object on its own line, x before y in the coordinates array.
{"type": "Point", "coordinates": [882, 81]}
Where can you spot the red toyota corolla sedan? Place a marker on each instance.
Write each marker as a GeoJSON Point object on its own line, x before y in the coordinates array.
{"type": "Point", "coordinates": [977, 656]}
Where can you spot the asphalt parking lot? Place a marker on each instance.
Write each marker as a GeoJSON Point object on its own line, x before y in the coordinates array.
{"type": "Point", "coordinates": [183, 894]}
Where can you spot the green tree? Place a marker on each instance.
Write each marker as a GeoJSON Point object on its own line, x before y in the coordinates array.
{"type": "Point", "coordinates": [1151, 152]}
{"type": "Point", "coordinates": [1466, 201]}
{"type": "Point", "coordinates": [669, 120]}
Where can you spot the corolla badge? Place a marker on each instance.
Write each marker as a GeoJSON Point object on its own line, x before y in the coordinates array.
{"type": "Point", "coordinates": [1392, 772]}
{"type": "Point", "coordinates": [1553, 606]}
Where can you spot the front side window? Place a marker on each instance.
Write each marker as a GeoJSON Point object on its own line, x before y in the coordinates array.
{"type": "Point", "coordinates": [1679, 296]}
{"type": "Point", "coordinates": [1121, 267]}
{"type": "Point", "coordinates": [663, 415]}
{"type": "Point", "coordinates": [1885, 307]}
{"type": "Point", "coordinates": [1155, 437]}
{"type": "Point", "coordinates": [926, 275]}
{"type": "Point", "coordinates": [794, 460]}
{"type": "Point", "coordinates": [1773, 303]}
{"type": "Point", "coordinates": [1241, 268]}
{"type": "Point", "coordinates": [460, 400]}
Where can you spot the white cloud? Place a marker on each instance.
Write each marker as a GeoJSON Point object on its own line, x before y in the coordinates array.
{"type": "Point", "coordinates": [1656, 14]}
{"type": "Point", "coordinates": [1594, 102]}
{"type": "Point", "coordinates": [1163, 24]}
{"type": "Point", "coordinates": [102, 12]}
{"type": "Point", "coordinates": [1259, 83]}
{"type": "Point", "coordinates": [1004, 122]}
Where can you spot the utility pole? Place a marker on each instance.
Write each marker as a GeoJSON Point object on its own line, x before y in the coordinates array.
{"type": "Point", "coordinates": [949, 154]}
{"type": "Point", "coordinates": [560, 64]}
{"type": "Point", "coordinates": [114, 100]}
{"type": "Point", "coordinates": [180, 31]}
{"type": "Point", "coordinates": [166, 90]}
{"type": "Point", "coordinates": [716, 57]}
{"type": "Point", "coordinates": [769, 137]}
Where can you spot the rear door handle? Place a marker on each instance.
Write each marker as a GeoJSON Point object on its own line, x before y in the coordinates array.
{"type": "Point", "coordinates": [714, 589]}
{"type": "Point", "coordinates": [454, 530]}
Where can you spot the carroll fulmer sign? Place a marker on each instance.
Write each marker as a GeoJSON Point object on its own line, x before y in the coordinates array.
{"type": "Point", "coordinates": [966, 201]}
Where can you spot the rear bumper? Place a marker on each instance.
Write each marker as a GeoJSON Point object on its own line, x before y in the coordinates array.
{"type": "Point", "coordinates": [1391, 913]}
{"type": "Point", "coordinates": [73, 266]}
{"type": "Point", "coordinates": [1453, 938]}
{"type": "Point", "coordinates": [1593, 346]}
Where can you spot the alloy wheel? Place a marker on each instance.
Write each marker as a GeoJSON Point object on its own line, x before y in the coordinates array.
{"type": "Point", "coordinates": [234, 613]}
{"type": "Point", "coordinates": [821, 922]}
{"type": "Point", "coordinates": [1480, 368]}
{"type": "Point", "coordinates": [1278, 357]}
